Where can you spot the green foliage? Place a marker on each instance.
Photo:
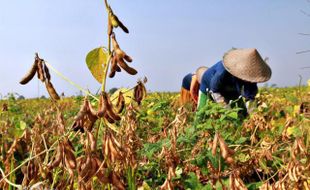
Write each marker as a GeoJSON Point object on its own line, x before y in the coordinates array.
{"type": "Point", "coordinates": [154, 119]}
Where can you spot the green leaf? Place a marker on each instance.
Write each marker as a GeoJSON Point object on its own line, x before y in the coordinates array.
{"type": "Point", "coordinates": [96, 61]}
{"type": "Point", "coordinates": [192, 182]}
{"type": "Point", "coordinates": [255, 185]}
{"type": "Point", "coordinates": [233, 115]}
{"type": "Point", "coordinates": [241, 140]}
{"type": "Point", "coordinates": [294, 130]}
{"type": "Point", "coordinates": [243, 157]}
{"type": "Point", "coordinates": [22, 125]}
{"type": "Point", "coordinates": [145, 186]}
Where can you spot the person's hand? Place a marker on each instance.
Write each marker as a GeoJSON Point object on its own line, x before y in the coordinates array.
{"type": "Point", "coordinates": [250, 106]}
{"type": "Point", "coordinates": [217, 97]}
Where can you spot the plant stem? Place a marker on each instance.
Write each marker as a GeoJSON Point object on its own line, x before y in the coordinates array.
{"type": "Point", "coordinates": [31, 158]}
{"type": "Point", "coordinates": [8, 181]}
{"type": "Point", "coordinates": [11, 176]}
{"type": "Point", "coordinates": [104, 77]}
{"type": "Point", "coordinates": [54, 179]}
{"type": "Point", "coordinates": [106, 4]}
{"type": "Point", "coordinates": [69, 81]}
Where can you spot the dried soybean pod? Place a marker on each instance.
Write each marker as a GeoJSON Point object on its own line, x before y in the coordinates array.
{"type": "Point", "coordinates": [116, 22]}
{"type": "Point", "coordinates": [120, 54]}
{"type": "Point", "coordinates": [115, 142]}
{"type": "Point", "coordinates": [80, 161]}
{"type": "Point", "coordinates": [114, 154]}
{"type": "Point", "coordinates": [116, 181]}
{"type": "Point", "coordinates": [114, 42]}
{"type": "Point", "coordinates": [105, 144]}
{"type": "Point", "coordinates": [229, 160]}
{"type": "Point", "coordinates": [128, 69]}
{"type": "Point", "coordinates": [102, 177]}
{"type": "Point", "coordinates": [214, 144]}
{"type": "Point", "coordinates": [58, 157]}
{"type": "Point", "coordinates": [113, 67]}
{"type": "Point", "coordinates": [30, 73]}
{"type": "Point", "coordinates": [92, 170]}
{"type": "Point", "coordinates": [51, 90]}
{"type": "Point", "coordinates": [40, 70]}
{"type": "Point", "coordinates": [85, 167]}
{"type": "Point", "coordinates": [138, 93]}
{"type": "Point", "coordinates": [91, 112]}
{"type": "Point", "coordinates": [112, 74]}
{"type": "Point", "coordinates": [127, 58]}
{"type": "Point", "coordinates": [118, 69]}
{"type": "Point", "coordinates": [69, 163]}
{"type": "Point", "coordinates": [46, 71]}
{"type": "Point", "coordinates": [69, 144]}
{"type": "Point", "coordinates": [120, 104]}
{"type": "Point", "coordinates": [102, 106]}
{"type": "Point", "coordinates": [110, 110]}
{"type": "Point", "coordinates": [83, 110]}
{"type": "Point", "coordinates": [232, 182]}
{"type": "Point", "coordinates": [108, 118]}
{"type": "Point", "coordinates": [225, 151]}
{"type": "Point", "coordinates": [69, 157]}
{"type": "Point", "coordinates": [92, 141]}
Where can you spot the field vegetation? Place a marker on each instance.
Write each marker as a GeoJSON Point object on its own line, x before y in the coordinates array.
{"type": "Point", "coordinates": [159, 145]}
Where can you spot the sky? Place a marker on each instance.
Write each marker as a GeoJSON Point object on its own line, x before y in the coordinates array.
{"type": "Point", "coordinates": [168, 39]}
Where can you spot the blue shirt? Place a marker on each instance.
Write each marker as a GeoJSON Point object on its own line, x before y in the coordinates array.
{"type": "Point", "coordinates": [186, 83]}
{"type": "Point", "coordinates": [218, 80]}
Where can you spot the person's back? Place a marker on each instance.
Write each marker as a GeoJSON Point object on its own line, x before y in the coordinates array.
{"type": "Point", "coordinates": [237, 75]}
{"type": "Point", "coordinates": [185, 96]}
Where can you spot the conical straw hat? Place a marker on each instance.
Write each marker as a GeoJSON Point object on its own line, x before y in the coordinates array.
{"type": "Point", "coordinates": [199, 73]}
{"type": "Point", "coordinates": [247, 64]}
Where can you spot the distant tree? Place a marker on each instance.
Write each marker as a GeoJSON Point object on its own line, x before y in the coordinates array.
{"type": "Point", "coordinates": [273, 85]}
{"type": "Point", "coordinates": [112, 90]}
{"type": "Point", "coordinates": [266, 85]}
{"type": "Point", "coordinates": [11, 96]}
{"type": "Point", "coordinates": [80, 93]}
{"type": "Point", "coordinates": [20, 97]}
{"type": "Point", "coordinates": [42, 97]}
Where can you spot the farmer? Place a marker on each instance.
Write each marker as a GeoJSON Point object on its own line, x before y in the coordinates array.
{"type": "Point", "coordinates": [190, 87]}
{"type": "Point", "coordinates": [235, 76]}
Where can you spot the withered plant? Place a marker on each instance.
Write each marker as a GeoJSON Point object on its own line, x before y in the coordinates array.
{"type": "Point", "coordinates": [104, 128]}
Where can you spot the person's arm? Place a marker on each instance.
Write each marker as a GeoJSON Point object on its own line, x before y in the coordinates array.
{"type": "Point", "coordinates": [249, 92]}
{"type": "Point", "coordinates": [217, 97]}
{"type": "Point", "coordinates": [215, 86]}
{"type": "Point", "coordinates": [194, 89]}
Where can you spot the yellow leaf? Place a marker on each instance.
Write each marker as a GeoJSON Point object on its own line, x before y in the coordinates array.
{"type": "Point", "coordinates": [127, 93]}
{"type": "Point", "coordinates": [96, 61]}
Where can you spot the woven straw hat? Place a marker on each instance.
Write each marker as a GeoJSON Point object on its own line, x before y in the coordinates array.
{"type": "Point", "coordinates": [247, 64]}
{"type": "Point", "coordinates": [199, 73]}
